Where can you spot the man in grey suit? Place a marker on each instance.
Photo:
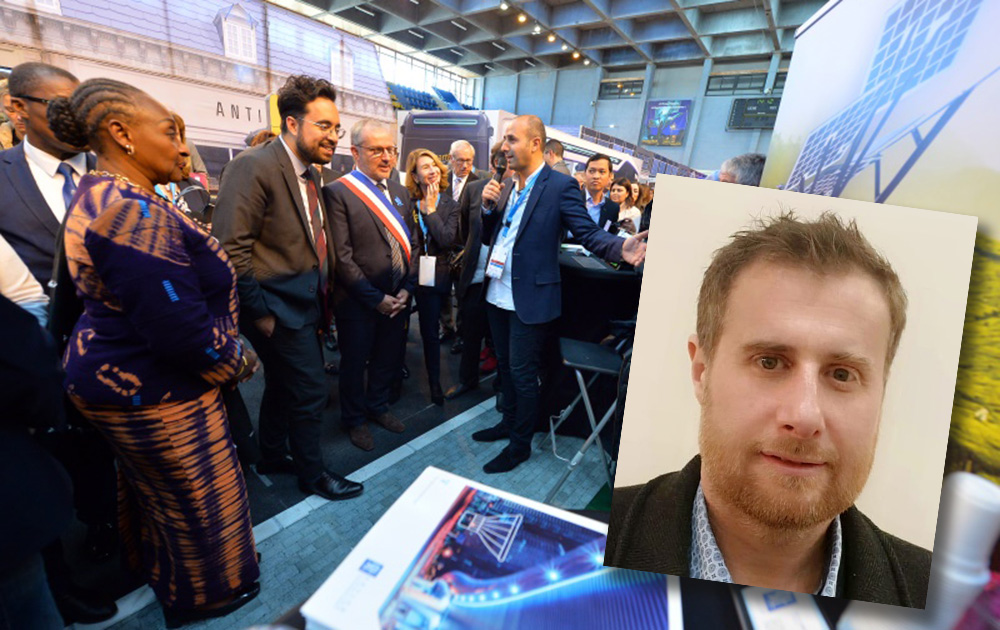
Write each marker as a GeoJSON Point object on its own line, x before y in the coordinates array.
{"type": "Point", "coordinates": [376, 275]}
{"type": "Point", "coordinates": [553, 156]}
{"type": "Point", "coordinates": [271, 221]}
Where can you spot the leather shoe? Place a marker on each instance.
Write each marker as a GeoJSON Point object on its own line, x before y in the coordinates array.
{"type": "Point", "coordinates": [506, 461]}
{"type": "Point", "coordinates": [361, 436]}
{"type": "Point", "coordinates": [458, 390]}
{"type": "Point", "coordinates": [458, 346]}
{"type": "Point", "coordinates": [283, 466]}
{"type": "Point", "coordinates": [389, 422]}
{"type": "Point", "coordinates": [101, 541]}
{"type": "Point", "coordinates": [78, 605]}
{"type": "Point", "coordinates": [332, 487]}
{"type": "Point", "coordinates": [447, 334]}
{"type": "Point", "coordinates": [493, 434]}
{"type": "Point", "coordinates": [176, 618]}
{"type": "Point", "coordinates": [436, 396]}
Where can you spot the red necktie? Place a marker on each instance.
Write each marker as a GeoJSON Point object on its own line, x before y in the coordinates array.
{"type": "Point", "coordinates": [319, 235]}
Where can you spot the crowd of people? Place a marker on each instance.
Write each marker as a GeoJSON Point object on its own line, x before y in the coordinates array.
{"type": "Point", "coordinates": [160, 301]}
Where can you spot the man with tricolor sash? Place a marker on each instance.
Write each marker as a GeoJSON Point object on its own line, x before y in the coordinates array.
{"type": "Point", "coordinates": [375, 279]}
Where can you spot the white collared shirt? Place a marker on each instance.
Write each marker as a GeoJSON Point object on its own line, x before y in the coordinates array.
{"type": "Point", "coordinates": [44, 169]}
{"type": "Point", "coordinates": [500, 292]}
{"type": "Point", "coordinates": [19, 286]}
{"type": "Point", "coordinates": [300, 168]}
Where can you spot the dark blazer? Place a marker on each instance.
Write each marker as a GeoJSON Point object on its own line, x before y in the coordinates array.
{"type": "Point", "coordinates": [471, 224]}
{"type": "Point", "coordinates": [463, 199]}
{"type": "Point", "coordinates": [650, 530]}
{"type": "Point", "coordinates": [554, 206]}
{"type": "Point", "coordinates": [26, 221]}
{"type": "Point", "coordinates": [262, 222]}
{"type": "Point", "coordinates": [364, 259]}
{"type": "Point", "coordinates": [441, 229]}
{"type": "Point", "coordinates": [609, 212]}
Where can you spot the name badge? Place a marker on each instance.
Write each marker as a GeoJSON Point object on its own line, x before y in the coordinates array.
{"type": "Point", "coordinates": [498, 260]}
{"type": "Point", "coordinates": [428, 265]}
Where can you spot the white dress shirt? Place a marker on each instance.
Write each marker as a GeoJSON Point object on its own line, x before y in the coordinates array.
{"type": "Point", "coordinates": [300, 168]}
{"type": "Point", "coordinates": [19, 286]}
{"type": "Point", "coordinates": [43, 168]}
{"type": "Point", "coordinates": [500, 292]}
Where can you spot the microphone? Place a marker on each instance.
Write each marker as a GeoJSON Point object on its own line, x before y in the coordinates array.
{"type": "Point", "coordinates": [499, 168]}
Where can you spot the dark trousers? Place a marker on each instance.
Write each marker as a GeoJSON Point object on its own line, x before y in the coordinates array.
{"type": "Point", "coordinates": [429, 303]}
{"type": "Point", "coordinates": [372, 341]}
{"type": "Point", "coordinates": [473, 329]}
{"type": "Point", "coordinates": [25, 598]}
{"type": "Point", "coordinates": [295, 395]}
{"type": "Point", "coordinates": [519, 352]}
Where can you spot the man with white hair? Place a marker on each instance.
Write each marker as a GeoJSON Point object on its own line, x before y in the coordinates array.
{"type": "Point", "coordinates": [462, 156]}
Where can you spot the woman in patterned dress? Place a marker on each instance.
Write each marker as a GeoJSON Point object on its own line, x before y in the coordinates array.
{"type": "Point", "coordinates": [146, 361]}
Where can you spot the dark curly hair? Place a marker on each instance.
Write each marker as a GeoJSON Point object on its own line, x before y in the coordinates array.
{"type": "Point", "coordinates": [76, 120]}
{"type": "Point", "coordinates": [297, 92]}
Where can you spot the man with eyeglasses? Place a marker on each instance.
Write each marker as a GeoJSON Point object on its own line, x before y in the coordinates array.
{"type": "Point", "coordinates": [38, 179]}
{"type": "Point", "coordinates": [376, 275]}
{"type": "Point", "coordinates": [271, 220]}
{"type": "Point", "coordinates": [462, 155]}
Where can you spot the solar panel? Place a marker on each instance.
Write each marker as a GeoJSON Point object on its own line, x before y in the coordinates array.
{"type": "Point", "coordinates": [920, 39]}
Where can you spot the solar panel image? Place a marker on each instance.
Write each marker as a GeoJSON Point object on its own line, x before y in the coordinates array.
{"type": "Point", "coordinates": [919, 40]}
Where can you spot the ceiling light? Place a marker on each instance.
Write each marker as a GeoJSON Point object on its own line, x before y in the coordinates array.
{"type": "Point", "coordinates": [457, 52]}
{"type": "Point", "coordinates": [459, 25]}
{"type": "Point", "coordinates": [496, 45]}
{"type": "Point", "coordinates": [552, 37]}
{"type": "Point", "coordinates": [576, 54]}
{"type": "Point", "coordinates": [489, 67]}
{"type": "Point", "coordinates": [619, 86]}
{"type": "Point", "coordinates": [522, 18]}
{"type": "Point", "coordinates": [365, 11]}
{"type": "Point", "coordinates": [415, 1]}
{"type": "Point", "coordinates": [612, 125]}
{"type": "Point", "coordinates": [565, 47]}
{"type": "Point", "coordinates": [504, 6]}
{"type": "Point", "coordinates": [415, 33]}
{"type": "Point", "coordinates": [528, 61]}
{"type": "Point", "coordinates": [586, 62]}
{"type": "Point", "coordinates": [537, 30]}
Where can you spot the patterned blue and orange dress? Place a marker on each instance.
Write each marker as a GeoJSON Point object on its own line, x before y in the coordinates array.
{"type": "Point", "coordinates": [157, 339]}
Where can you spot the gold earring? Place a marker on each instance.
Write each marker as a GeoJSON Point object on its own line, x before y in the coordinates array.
{"type": "Point", "coordinates": [129, 149]}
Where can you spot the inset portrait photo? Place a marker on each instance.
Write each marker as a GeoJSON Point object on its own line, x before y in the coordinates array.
{"type": "Point", "coordinates": [790, 391]}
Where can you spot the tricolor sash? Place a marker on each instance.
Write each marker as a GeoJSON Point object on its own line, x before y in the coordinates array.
{"type": "Point", "coordinates": [372, 197]}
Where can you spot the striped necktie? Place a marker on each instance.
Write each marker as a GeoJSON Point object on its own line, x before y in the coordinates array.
{"type": "Point", "coordinates": [319, 234]}
{"type": "Point", "coordinates": [398, 270]}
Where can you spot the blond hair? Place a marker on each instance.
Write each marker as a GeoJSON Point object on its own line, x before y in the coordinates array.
{"type": "Point", "coordinates": [825, 246]}
{"type": "Point", "coordinates": [412, 184]}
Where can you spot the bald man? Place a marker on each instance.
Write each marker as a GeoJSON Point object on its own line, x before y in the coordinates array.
{"type": "Point", "coordinates": [523, 221]}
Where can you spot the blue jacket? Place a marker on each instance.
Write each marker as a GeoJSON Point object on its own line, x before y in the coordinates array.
{"type": "Point", "coordinates": [554, 206]}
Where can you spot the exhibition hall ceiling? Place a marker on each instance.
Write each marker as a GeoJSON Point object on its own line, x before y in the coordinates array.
{"type": "Point", "coordinates": [504, 36]}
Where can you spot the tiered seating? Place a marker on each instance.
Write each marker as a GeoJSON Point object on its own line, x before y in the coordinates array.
{"type": "Point", "coordinates": [449, 99]}
{"type": "Point", "coordinates": [409, 98]}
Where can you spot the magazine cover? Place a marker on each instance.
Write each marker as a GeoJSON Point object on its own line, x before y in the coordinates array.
{"type": "Point", "coordinates": [453, 554]}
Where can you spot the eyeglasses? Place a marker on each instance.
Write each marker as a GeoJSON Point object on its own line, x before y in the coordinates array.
{"type": "Point", "coordinates": [42, 101]}
{"type": "Point", "coordinates": [462, 161]}
{"type": "Point", "coordinates": [379, 151]}
{"type": "Point", "coordinates": [326, 127]}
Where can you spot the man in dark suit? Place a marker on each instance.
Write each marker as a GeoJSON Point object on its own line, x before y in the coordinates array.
{"type": "Point", "coordinates": [38, 177]}
{"type": "Point", "coordinates": [376, 275]}
{"type": "Point", "coordinates": [523, 222]}
{"type": "Point", "coordinates": [597, 181]}
{"type": "Point", "coordinates": [270, 219]}
{"type": "Point", "coordinates": [462, 156]}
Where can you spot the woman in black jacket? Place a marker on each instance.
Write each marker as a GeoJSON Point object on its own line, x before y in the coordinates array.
{"type": "Point", "coordinates": [433, 217]}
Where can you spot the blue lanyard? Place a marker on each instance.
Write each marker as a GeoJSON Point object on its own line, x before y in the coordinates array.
{"type": "Point", "coordinates": [516, 206]}
{"type": "Point", "coordinates": [423, 226]}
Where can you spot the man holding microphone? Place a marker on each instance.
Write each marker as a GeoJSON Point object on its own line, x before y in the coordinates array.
{"type": "Point", "coordinates": [523, 220]}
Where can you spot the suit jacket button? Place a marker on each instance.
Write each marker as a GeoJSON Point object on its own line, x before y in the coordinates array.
{"type": "Point", "coordinates": [312, 289]}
